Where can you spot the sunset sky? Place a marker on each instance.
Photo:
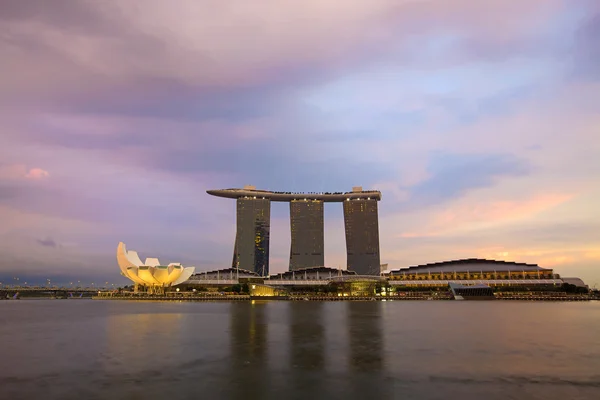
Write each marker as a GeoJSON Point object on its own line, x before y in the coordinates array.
{"type": "Point", "coordinates": [478, 120]}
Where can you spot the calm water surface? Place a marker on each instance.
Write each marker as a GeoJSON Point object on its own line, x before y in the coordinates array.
{"type": "Point", "coordinates": [85, 349]}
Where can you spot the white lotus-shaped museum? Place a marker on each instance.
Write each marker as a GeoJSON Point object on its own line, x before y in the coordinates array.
{"type": "Point", "coordinates": [150, 273]}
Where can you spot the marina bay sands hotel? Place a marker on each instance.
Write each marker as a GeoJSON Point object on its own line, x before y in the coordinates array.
{"type": "Point", "coordinates": [251, 249]}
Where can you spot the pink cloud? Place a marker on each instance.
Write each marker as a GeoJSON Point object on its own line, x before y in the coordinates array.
{"type": "Point", "coordinates": [474, 214]}
{"type": "Point", "coordinates": [37, 173]}
{"type": "Point", "coordinates": [547, 257]}
{"type": "Point", "coordinates": [501, 210]}
{"type": "Point", "coordinates": [19, 171]}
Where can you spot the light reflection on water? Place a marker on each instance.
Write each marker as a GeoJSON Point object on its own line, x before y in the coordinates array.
{"type": "Point", "coordinates": [299, 350]}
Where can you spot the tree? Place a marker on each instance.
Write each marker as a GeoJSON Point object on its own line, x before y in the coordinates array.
{"type": "Point", "coordinates": [245, 288]}
{"type": "Point", "coordinates": [570, 288]}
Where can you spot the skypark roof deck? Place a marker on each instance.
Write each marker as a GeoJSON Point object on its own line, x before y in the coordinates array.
{"type": "Point", "coordinates": [291, 196]}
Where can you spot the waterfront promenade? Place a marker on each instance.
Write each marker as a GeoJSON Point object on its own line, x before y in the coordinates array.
{"type": "Point", "coordinates": [404, 296]}
{"type": "Point", "coordinates": [94, 293]}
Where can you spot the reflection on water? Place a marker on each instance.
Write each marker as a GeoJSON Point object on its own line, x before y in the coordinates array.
{"type": "Point", "coordinates": [248, 350]}
{"type": "Point", "coordinates": [299, 350]}
{"type": "Point", "coordinates": [307, 349]}
{"type": "Point", "coordinates": [307, 336]}
{"type": "Point", "coordinates": [137, 335]}
{"type": "Point", "coordinates": [364, 326]}
{"type": "Point", "coordinates": [366, 348]}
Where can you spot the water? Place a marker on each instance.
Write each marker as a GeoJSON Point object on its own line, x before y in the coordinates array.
{"type": "Point", "coordinates": [87, 349]}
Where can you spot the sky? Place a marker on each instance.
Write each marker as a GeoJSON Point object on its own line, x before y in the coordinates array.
{"type": "Point", "coordinates": [479, 121]}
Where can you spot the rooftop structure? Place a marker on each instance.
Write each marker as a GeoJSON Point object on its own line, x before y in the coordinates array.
{"type": "Point", "coordinates": [312, 273]}
{"type": "Point", "coordinates": [357, 193]}
{"type": "Point", "coordinates": [575, 281]}
{"type": "Point", "coordinates": [226, 273]}
{"type": "Point", "coordinates": [150, 274]}
{"type": "Point", "coordinates": [472, 265]}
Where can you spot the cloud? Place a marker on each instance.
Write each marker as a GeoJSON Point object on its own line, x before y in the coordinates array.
{"type": "Point", "coordinates": [476, 119]}
{"type": "Point", "coordinates": [48, 242]}
{"type": "Point", "coordinates": [453, 175]}
{"type": "Point", "coordinates": [564, 246]}
{"type": "Point", "coordinates": [465, 215]}
{"type": "Point", "coordinates": [15, 172]}
{"type": "Point", "coordinates": [12, 172]}
{"type": "Point", "coordinates": [37, 173]}
{"type": "Point", "coordinates": [162, 50]}
{"type": "Point", "coordinates": [503, 210]}
{"type": "Point", "coordinates": [587, 50]}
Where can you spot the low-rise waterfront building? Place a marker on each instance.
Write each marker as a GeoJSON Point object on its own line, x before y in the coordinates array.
{"type": "Point", "coordinates": [311, 274]}
{"type": "Point", "coordinates": [502, 274]}
{"type": "Point", "coordinates": [475, 271]}
{"type": "Point", "coordinates": [436, 278]}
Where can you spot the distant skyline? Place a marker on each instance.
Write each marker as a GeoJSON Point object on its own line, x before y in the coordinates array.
{"type": "Point", "coordinates": [478, 121]}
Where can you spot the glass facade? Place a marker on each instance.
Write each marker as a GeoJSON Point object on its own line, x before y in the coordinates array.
{"type": "Point", "coordinates": [362, 236]}
{"type": "Point", "coordinates": [306, 225]}
{"type": "Point", "coordinates": [356, 288]}
{"type": "Point", "coordinates": [251, 250]}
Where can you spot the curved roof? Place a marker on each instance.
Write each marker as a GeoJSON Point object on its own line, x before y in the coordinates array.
{"type": "Point", "coordinates": [575, 281]}
{"type": "Point", "coordinates": [291, 196]}
{"type": "Point", "coordinates": [226, 271]}
{"type": "Point", "coordinates": [312, 270]}
{"type": "Point", "coordinates": [469, 264]}
{"type": "Point", "coordinates": [358, 278]}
